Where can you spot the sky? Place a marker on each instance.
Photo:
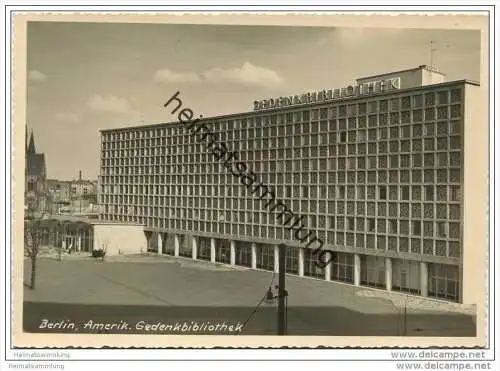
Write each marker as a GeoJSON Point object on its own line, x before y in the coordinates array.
{"type": "Point", "coordinates": [84, 77]}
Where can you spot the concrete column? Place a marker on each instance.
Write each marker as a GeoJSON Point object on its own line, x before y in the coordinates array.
{"type": "Point", "coordinates": [148, 240]}
{"type": "Point", "coordinates": [160, 243]}
{"type": "Point", "coordinates": [423, 279]}
{"type": "Point", "coordinates": [301, 261]}
{"type": "Point", "coordinates": [176, 245]}
{"type": "Point", "coordinates": [276, 258]}
{"type": "Point", "coordinates": [328, 272]}
{"type": "Point", "coordinates": [388, 274]}
{"type": "Point", "coordinates": [212, 250]}
{"type": "Point", "coordinates": [357, 269]}
{"type": "Point", "coordinates": [79, 243]}
{"type": "Point", "coordinates": [254, 255]}
{"type": "Point", "coordinates": [233, 252]}
{"type": "Point", "coordinates": [194, 251]}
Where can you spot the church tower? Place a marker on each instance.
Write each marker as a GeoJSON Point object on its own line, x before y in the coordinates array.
{"type": "Point", "coordinates": [35, 175]}
{"type": "Point", "coordinates": [31, 146]}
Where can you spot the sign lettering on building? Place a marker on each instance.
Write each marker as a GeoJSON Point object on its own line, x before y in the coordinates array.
{"type": "Point", "coordinates": [371, 87]}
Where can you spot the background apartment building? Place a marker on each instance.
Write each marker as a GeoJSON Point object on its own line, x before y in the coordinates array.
{"type": "Point", "coordinates": [77, 196]}
{"type": "Point", "coordinates": [378, 176]}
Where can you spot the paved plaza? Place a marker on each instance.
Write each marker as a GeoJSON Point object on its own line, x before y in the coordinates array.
{"type": "Point", "coordinates": [166, 289]}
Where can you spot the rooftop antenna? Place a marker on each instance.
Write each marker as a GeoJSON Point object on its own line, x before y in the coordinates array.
{"type": "Point", "coordinates": [433, 48]}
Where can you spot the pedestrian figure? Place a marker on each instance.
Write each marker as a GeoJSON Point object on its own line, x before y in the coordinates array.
{"type": "Point", "coordinates": [269, 295]}
{"type": "Point", "coordinates": [278, 290]}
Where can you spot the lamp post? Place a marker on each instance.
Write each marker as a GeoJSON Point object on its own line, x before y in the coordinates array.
{"type": "Point", "coordinates": [281, 291]}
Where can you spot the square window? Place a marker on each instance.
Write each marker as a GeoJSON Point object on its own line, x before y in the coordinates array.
{"type": "Point", "coordinates": [428, 247]}
{"type": "Point", "coordinates": [454, 249]}
{"type": "Point", "coordinates": [417, 101]}
{"type": "Point", "coordinates": [430, 99]}
{"type": "Point", "coordinates": [456, 95]}
{"type": "Point", "coordinates": [443, 97]}
{"type": "Point", "coordinates": [405, 192]}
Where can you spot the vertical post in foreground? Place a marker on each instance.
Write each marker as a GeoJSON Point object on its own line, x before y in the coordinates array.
{"type": "Point", "coordinates": [281, 290]}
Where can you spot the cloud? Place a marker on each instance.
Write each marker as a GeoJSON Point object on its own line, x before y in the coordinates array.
{"type": "Point", "coordinates": [353, 36]}
{"type": "Point", "coordinates": [110, 104]}
{"type": "Point", "coordinates": [167, 75]}
{"type": "Point", "coordinates": [356, 36]}
{"type": "Point", "coordinates": [248, 74]}
{"type": "Point", "coordinates": [70, 117]}
{"type": "Point", "coordinates": [36, 76]}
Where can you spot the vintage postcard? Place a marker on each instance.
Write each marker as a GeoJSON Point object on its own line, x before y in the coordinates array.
{"type": "Point", "coordinates": [250, 180]}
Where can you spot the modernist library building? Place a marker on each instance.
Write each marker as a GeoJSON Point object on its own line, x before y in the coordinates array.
{"type": "Point", "coordinates": [376, 169]}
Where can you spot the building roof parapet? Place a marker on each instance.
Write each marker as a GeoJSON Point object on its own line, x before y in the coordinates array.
{"type": "Point", "coordinates": [287, 108]}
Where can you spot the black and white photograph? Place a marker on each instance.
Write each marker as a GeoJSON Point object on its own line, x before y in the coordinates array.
{"type": "Point", "coordinates": [292, 182]}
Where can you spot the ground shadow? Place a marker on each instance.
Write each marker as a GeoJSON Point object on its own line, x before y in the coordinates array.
{"type": "Point", "coordinates": [306, 321]}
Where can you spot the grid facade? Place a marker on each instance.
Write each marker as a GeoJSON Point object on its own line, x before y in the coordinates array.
{"type": "Point", "coordinates": [381, 175]}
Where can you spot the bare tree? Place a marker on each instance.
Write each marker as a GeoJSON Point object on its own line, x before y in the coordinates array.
{"type": "Point", "coordinates": [32, 242]}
